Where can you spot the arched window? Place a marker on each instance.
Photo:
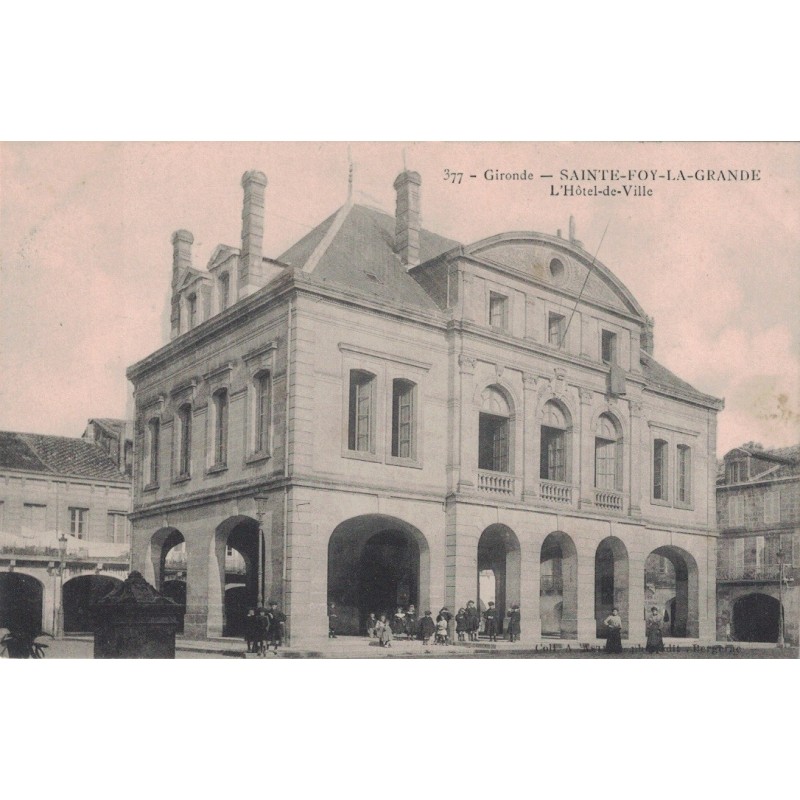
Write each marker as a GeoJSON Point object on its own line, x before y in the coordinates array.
{"type": "Point", "coordinates": [404, 412]}
{"type": "Point", "coordinates": [220, 402]}
{"type": "Point", "coordinates": [494, 428]}
{"type": "Point", "coordinates": [660, 469]}
{"type": "Point", "coordinates": [262, 412]}
{"type": "Point", "coordinates": [153, 436]}
{"type": "Point", "coordinates": [607, 456]}
{"type": "Point", "coordinates": [361, 421]}
{"type": "Point", "coordinates": [553, 454]}
{"type": "Point", "coordinates": [185, 441]}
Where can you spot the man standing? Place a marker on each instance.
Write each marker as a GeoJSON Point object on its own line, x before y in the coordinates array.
{"type": "Point", "coordinates": [473, 621]}
{"type": "Point", "coordinates": [490, 617]}
{"type": "Point", "coordinates": [277, 626]}
{"type": "Point", "coordinates": [332, 619]}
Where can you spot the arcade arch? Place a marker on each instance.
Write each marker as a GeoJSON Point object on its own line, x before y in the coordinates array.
{"type": "Point", "coordinates": [375, 564]}
{"type": "Point", "coordinates": [671, 585]}
{"type": "Point", "coordinates": [611, 581]}
{"type": "Point", "coordinates": [558, 586]}
{"type": "Point", "coordinates": [499, 570]}
{"type": "Point", "coordinates": [21, 602]}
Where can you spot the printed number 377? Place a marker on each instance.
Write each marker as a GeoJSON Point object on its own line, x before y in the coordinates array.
{"type": "Point", "coordinates": [453, 177]}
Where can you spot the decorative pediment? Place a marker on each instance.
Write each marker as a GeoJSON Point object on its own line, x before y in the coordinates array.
{"type": "Point", "coordinates": [557, 263]}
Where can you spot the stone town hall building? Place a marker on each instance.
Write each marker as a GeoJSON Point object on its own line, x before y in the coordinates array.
{"type": "Point", "coordinates": [401, 413]}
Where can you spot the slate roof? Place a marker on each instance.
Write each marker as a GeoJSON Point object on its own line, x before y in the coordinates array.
{"type": "Point", "coordinates": [56, 455]}
{"type": "Point", "coordinates": [113, 426]}
{"type": "Point", "coordinates": [659, 376]}
{"type": "Point", "coordinates": [360, 258]}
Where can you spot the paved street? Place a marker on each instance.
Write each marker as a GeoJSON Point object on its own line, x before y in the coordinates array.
{"type": "Point", "coordinates": [359, 648]}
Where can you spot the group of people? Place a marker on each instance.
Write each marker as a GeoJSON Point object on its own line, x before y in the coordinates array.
{"type": "Point", "coordinates": [653, 623]}
{"type": "Point", "coordinates": [446, 628]}
{"type": "Point", "coordinates": [264, 627]}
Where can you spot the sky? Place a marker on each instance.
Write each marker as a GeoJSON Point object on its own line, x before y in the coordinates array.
{"type": "Point", "coordinates": [85, 253]}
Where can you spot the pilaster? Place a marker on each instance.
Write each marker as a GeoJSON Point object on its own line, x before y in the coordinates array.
{"type": "Point", "coordinates": [586, 449]}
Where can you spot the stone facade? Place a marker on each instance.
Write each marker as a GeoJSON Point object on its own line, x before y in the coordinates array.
{"type": "Point", "coordinates": [758, 508]}
{"type": "Point", "coordinates": [395, 412]}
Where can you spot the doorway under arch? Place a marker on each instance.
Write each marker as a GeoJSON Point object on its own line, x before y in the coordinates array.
{"type": "Point", "coordinates": [170, 567]}
{"type": "Point", "coordinates": [233, 583]}
{"type": "Point", "coordinates": [558, 586]}
{"type": "Point", "coordinates": [756, 618]}
{"type": "Point", "coordinates": [670, 584]}
{"type": "Point", "coordinates": [21, 602]}
{"type": "Point", "coordinates": [376, 564]}
{"type": "Point", "coordinates": [499, 570]}
{"type": "Point", "coordinates": [79, 595]}
{"type": "Point", "coordinates": [611, 577]}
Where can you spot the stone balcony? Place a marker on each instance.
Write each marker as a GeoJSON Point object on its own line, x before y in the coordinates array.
{"type": "Point", "coordinates": [500, 483]}
{"type": "Point", "coordinates": [556, 492]}
{"type": "Point", "coordinates": [608, 500]}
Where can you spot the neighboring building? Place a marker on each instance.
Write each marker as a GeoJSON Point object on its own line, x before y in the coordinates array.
{"type": "Point", "coordinates": [401, 414]}
{"type": "Point", "coordinates": [758, 509]}
{"type": "Point", "coordinates": [64, 508]}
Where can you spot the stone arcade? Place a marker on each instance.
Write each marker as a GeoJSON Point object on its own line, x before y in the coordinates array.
{"type": "Point", "coordinates": [407, 419]}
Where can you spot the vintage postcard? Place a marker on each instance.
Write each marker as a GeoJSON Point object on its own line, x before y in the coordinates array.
{"type": "Point", "coordinates": [400, 399]}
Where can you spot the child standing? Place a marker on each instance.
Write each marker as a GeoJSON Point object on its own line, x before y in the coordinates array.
{"type": "Point", "coordinates": [490, 617]}
{"type": "Point", "coordinates": [441, 630]}
{"type": "Point", "coordinates": [427, 627]}
{"type": "Point", "coordinates": [371, 623]}
{"type": "Point", "coordinates": [462, 624]}
{"type": "Point", "coordinates": [385, 635]}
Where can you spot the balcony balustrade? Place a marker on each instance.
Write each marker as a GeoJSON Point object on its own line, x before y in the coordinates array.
{"type": "Point", "coordinates": [608, 500]}
{"type": "Point", "coordinates": [496, 482]}
{"type": "Point", "coordinates": [555, 492]}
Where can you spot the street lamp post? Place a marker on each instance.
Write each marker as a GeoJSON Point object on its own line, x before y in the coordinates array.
{"type": "Point", "coordinates": [62, 551]}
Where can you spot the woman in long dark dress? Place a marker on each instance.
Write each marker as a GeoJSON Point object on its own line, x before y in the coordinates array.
{"type": "Point", "coordinates": [613, 623]}
{"type": "Point", "coordinates": [655, 638]}
{"type": "Point", "coordinates": [514, 627]}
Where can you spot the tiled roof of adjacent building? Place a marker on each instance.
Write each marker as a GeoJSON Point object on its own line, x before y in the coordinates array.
{"type": "Point", "coordinates": [360, 257]}
{"type": "Point", "coordinates": [56, 455]}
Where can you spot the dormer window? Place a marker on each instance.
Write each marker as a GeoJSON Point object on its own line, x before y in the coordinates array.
{"type": "Point", "coordinates": [224, 288]}
{"type": "Point", "coordinates": [736, 471]}
{"type": "Point", "coordinates": [192, 305]}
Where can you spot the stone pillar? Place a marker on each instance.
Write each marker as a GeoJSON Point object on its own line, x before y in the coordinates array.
{"type": "Point", "coordinates": [468, 445]}
{"type": "Point", "coordinates": [586, 449]}
{"type": "Point", "coordinates": [530, 441]}
{"type": "Point", "coordinates": [636, 467]}
{"type": "Point", "coordinates": [531, 623]}
{"type": "Point", "coordinates": [461, 563]}
{"type": "Point", "coordinates": [636, 606]}
{"type": "Point", "coordinates": [707, 593]}
{"type": "Point", "coordinates": [205, 581]}
{"type": "Point", "coordinates": [587, 625]}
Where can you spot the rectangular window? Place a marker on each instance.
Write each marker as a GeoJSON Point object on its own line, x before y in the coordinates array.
{"type": "Point", "coordinates": [738, 555]}
{"type": "Point", "coordinates": [117, 527]}
{"type": "Point", "coordinates": [33, 516]}
{"type": "Point", "coordinates": [660, 469]}
{"type": "Point", "coordinates": [498, 311]}
{"type": "Point", "coordinates": [609, 347]}
{"type": "Point", "coordinates": [772, 507]}
{"type": "Point", "coordinates": [735, 510]}
{"type": "Point", "coordinates": [361, 412]}
{"type": "Point", "coordinates": [263, 412]}
{"type": "Point", "coordinates": [555, 329]}
{"type": "Point", "coordinates": [185, 451]}
{"type": "Point", "coordinates": [154, 434]}
{"type": "Point", "coordinates": [79, 522]}
{"type": "Point", "coordinates": [553, 465]}
{"type": "Point", "coordinates": [220, 428]}
{"type": "Point", "coordinates": [403, 411]}
{"type": "Point", "coordinates": [736, 472]}
{"type": "Point", "coordinates": [493, 443]}
{"type": "Point", "coordinates": [684, 474]}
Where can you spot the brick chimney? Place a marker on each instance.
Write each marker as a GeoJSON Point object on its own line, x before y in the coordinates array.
{"type": "Point", "coordinates": [407, 224]}
{"type": "Point", "coordinates": [181, 254]}
{"type": "Point", "coordinates": [181, 263]}
{"type": "Point", "coordinates": [250, 267]}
